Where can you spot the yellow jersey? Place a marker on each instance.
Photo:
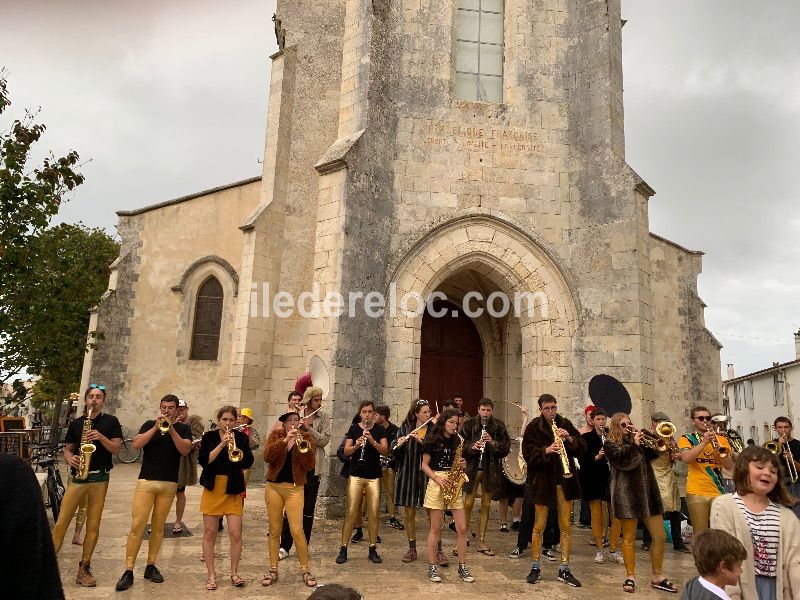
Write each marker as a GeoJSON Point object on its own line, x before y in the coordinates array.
{"type": "Point", "coordinates": [705, 472]}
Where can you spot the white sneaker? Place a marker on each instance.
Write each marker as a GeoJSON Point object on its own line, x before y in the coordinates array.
{"type": "Point", "coordinates": [282, 554]}
{"type": "Point", "coordinates": [598, 558]}
{"type": "Point", "coordinates": [616, 557]}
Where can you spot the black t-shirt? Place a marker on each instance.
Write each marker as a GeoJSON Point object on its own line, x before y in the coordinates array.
{"type": "Point", "coordinates": [162, 460]}
{"type": "Point", "coordinates": [285, 475]}
{"type": "Point", "coordinates": [370, 467]}
{"type": "Point", "coordinates": [442, 452]}
{"type": "Point", "coordinates": [109, 426]}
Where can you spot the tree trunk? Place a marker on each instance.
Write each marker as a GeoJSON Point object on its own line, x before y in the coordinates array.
{"type": "Point", "coordinates": [54, 439]}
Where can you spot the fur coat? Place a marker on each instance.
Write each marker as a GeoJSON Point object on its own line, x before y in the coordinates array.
{"type": "Point", "coordinates": [493, 478]}
{"type": "Point", "coordinates": [275, 456]}
{"type": "Point", "coordinates": [410, 482]}
{"type": "Point", "coordinates": [634, 489]}
{"type": "Point", "coordinates": [545, 472]}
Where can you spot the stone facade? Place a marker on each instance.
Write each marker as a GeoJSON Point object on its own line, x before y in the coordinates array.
{"type": "Point", "coordinates": [377, 177]}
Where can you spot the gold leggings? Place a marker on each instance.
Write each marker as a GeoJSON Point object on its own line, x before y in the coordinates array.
{"type": "Point", "coordinates": [655, 525]}
{"type": "Point", "coordinates": [699, 508]}
{"type": "Point", "coordinates": [486, 505]}
{"type": "Point", "coordinates": [387, 481]}
{"type": "Point", "coordinates": [288, 497]}
{"type": "Point", "coordinates": [564, 508]}
{"type": "Point", "coordinates": [94, 494]}
{"type": "Point", "coordinates": [356, 486]}
{"type": "Point", "coordinates": [613, 536]}
{"type": "Point", "coordinates": [155, 496]}
{"type": "Point", "coordinates": [80, 515]}
{"type": "Point", "coordinates": [599, 521]}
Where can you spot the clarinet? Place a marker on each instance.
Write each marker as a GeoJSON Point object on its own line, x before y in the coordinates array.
{"type": "Point", "coordinates": [364, 447]}
{"type": "Point", "coordinates": [483, 444]}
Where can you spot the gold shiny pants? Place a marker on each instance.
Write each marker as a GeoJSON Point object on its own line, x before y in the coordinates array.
{"type": "Point", "coordinates": [288, 497]}
{"type": "Point", "coordinates": [599, 518]}
{"type": "Point", "coordinates": [94, 494]}
{"type": "Point", "coordinates": [387, 481]}
{"type": "Point", "coordinates": [155, 497]}
{"type": "Point", "coordinates": [564, 508]}
{"type": "Point", "coordinates": [655, 525]}
{"type": "Point", "coordinates": [613, 536]}
{"type": "Point", "coordinates": [356, 487]}
{"type": "Point", "coordinates": [699, 508]}
{"type": "Point", "coordinates": [486, 505]}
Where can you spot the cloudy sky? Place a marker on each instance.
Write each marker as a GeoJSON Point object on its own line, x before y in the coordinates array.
{"type": "Point", "coordinates": [169, 98]}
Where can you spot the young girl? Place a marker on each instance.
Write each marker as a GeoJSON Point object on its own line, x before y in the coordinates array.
{"type": "Point", "coordinates": [438, 455]}
{"type": "Point", "coordinates": [635, 495]}
{"type": "Point", "coordinates": [758, 516]}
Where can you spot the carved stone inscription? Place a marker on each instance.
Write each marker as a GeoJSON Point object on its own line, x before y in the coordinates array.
{"type": "Point", "coordinates": [479, 137]}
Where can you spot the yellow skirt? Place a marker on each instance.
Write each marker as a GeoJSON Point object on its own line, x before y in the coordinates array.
{"type": "Point", "coordinates": [217, 503]}
{"type": "Point", "coordinates": [434, 498]}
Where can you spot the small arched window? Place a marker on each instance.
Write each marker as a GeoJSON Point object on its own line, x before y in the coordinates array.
{"type": "Point", "coordinates": [479, 50]}
{"type": "Point", "coordinates": [207, 320]}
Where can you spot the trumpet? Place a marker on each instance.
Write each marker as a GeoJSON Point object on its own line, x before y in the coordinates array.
{"type": "Point", "coordinates": [164, 424]}
{"type": "Point", "coordinates": [234, 453]}
{"type": "Point", "coordinates": [651, 440]}
{"type": "Point", "coordinates": [718, 448]}
{"type": "Point", "coordinates": [301, 444]}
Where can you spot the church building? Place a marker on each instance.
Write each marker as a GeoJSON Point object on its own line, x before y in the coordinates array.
{"type": "Point", "coordinates": [469, 148]}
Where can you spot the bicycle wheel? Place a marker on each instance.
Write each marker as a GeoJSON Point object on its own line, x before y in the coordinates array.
{"type": "Point", "coordinates": [127, 453]}
{"type": "Point", "coordinates": [54, 495]}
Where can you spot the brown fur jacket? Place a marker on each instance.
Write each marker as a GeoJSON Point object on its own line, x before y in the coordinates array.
{"type": "Point", "coordinates": [545, 472]}
{"type": "Point", "coordinates": [634, 489]}
{"type": "Point", "coordinates": [275, 456]}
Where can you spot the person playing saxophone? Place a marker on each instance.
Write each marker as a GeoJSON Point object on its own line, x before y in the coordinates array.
{"type": "Point", "coordinates": [104, 432]}
{"type": "Point", "coordinates": [444, 466]}
{"type": "Point", "coordinates": [549, 446]}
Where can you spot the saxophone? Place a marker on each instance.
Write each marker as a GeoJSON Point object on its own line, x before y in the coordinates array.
{"type": "Point", "coordinates": [86, 450]}
{"type": "Point", "coordinates": [562, 451]}
{"type": "Point", "coordinates": [457, 478]}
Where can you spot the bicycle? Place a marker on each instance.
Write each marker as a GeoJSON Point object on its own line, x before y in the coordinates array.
{"type": "Point", "coordinates": [53, 483]}
{"type": "Point", "coordinates": [127, 453]}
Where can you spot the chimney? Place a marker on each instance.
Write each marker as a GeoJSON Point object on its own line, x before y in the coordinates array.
{"type": "Point", "coordinates": [797, 345]}
{"type": "Point", "coordinates": [730, 371]}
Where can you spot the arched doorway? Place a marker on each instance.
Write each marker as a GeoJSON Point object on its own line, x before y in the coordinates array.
{"type": "Point", "coordinates": [451, 359]}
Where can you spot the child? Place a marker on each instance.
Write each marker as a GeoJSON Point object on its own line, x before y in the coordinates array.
{"type": "Point", "coordinates": [718, 557]}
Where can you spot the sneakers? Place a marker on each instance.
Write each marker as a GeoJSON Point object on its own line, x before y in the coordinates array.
{"type": "Point", "coordinates": [433, 574]}
{"type": "Point", "coordinates": [395, 524]}
{"type": "Point", "coordinates": [342, 557]}
{"type": "Point", "coordinates": [441, 558]}
{"type": "Point", "coordinates": [84, 576]}
{"type": "Point", "coordinates": [534, 576]}
{"type": "Point", "coordinates": [463, 572]}
{"type": "Point", "coordinates": [549, 554]}
{"type": "Point", "coordinates": [503, 527]}
{"type": "Point", "coordinates": [616, 557]}
{"type": "Point", "coordinates": [516, 553]}
{"type": "Point", "coordinates": [357, 536]}
{"type": "Point", "coordinates": [125, 581]}
{"type": "Point", "coordinates": [152, 573]}
{"type": "Point", "coordinates": [567, 577]}
{"type": "Point", "coordinates": [452, 526]}
{"type": "Point", "coordinates": [282, 553]}
{"type": "Point", "coordinates": [373, 555]}
{"type": "Point", "coordinates": [598, 558]}
{"type": "Point", "coordinates": [515, 525]}
{"type": "Point", "coordinates": [683, 548]}
{"type": "Point", "coordinates": [409, 556]}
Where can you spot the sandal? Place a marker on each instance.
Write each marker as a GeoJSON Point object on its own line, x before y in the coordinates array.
{"type": "Point", "coordinates": [269, 578]}
{"type": "Point", "coordinates": [487, 551]}
{"type": "Point", "coordinates": [211, 584]}
{"type": "Point", "coordinates": [666, 585]}
{"type": "Point", "coordinates": [237, 581]}
{"type": "Point", "coordinates": [177, 528]}
{"type": "Point", "coordinates": [309, 579]}
{"type": "Point", "coordinates": [629, 586]}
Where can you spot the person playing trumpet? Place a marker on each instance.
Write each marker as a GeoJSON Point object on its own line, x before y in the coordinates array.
{"type": "Point", "coordinates": [706, 453]}
{"type": "Point", "coordinates": [635, 495]}
{"type": "Point", "coordinates": [164, 441]}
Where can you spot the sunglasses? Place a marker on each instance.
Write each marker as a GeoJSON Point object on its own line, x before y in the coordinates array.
{"type": "Point", "coordinates": [421, 402]}
{"type": "Point", "coordinates": [703, 418]}
{"type": "Point", "coordinates": [94, 386]}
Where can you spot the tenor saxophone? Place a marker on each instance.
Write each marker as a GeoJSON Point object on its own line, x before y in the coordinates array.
{"type": "Point", "coordinates": [456, 478]}
{"type": "Point", "coordinates": [87, 448]}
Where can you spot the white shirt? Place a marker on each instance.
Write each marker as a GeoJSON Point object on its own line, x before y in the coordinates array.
{"type": "Point", "coordinates": [717, 591]}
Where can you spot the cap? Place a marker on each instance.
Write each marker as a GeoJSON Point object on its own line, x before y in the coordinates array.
{"type": "Point", "coordinates": [588, 409]}
{"type": "Point", "coordinates": [182, 404]}
{"type": "Point", "coordinates": [286, 415]}
{"type": "Point", "coordinates": [659, 417]}
{"type": "Point", "coordinates": [247, 412]}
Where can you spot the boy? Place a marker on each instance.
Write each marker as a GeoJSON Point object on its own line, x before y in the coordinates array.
{"type": "Point", "coordinates": [718, 557]}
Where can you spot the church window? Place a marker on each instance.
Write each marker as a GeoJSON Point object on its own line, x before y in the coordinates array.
{"type": "Point", "coordinates": [207, 320]}
{"type": "Point", "coordinates": [479, 50]}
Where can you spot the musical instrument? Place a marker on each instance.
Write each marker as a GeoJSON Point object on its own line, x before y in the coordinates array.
{"type": "Point", "coordinates": [513, 466]}
{"type": "Point", "coordinates": [368, 427]}
{"type": "Point", "coordinates": [237, 428]}
{"type": "Point", "coordinates": [301, 444]}
{"type": "Point", "coordinates": [562, 451]}
{"type": "Point", "coordinates": [781, 448]}
{"type": "Point", "coordinates": [650, 439]}
{"type": "Point", "coordinates": [87, 448]}
{"type": "Point", "coordinates": [316, 375]}
{"type": "Point", "coordinates": [234, 453]}
{"type": "Point", "coordinates": [164, 424]}
{"type": "Point", "coordinates": [718, 448]}
{"type": "Point", "coordinates": [312, 413]}
{"type": "Point", "coordinates": [733, 437]}
{"type": "Point", "coordinates": [404, 439]}
{"type": "Point", "coordinates": [601, 431]}
{"type": "Point", "coordinates": [456, 478]}
{"type": "Point", "coordinates": [483, 444]}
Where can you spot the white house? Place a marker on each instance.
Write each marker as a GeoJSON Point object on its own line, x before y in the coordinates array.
{"type": "Point", "coordinates": [755, 400]}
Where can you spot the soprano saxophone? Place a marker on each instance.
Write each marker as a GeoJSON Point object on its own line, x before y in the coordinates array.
{"type": "Point", "coordinates": [456, 478]}
{"type": "Point", "coordinates": [562, 451]}
{"type": "Point", "coordinates": [87, 448]}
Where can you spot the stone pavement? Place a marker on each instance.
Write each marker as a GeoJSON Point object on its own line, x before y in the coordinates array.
{"type": "Point", "coordinates": [498, 577]}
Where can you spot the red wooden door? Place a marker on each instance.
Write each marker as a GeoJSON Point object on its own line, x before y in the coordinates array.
{"type": "Point", "coordinates": [451, 361]}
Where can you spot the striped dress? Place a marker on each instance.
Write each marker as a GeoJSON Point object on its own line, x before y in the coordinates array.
{"type": "Point", "coordinates": [410, 481]}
